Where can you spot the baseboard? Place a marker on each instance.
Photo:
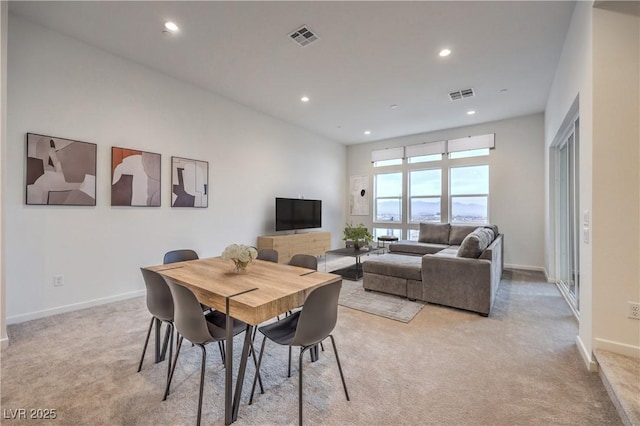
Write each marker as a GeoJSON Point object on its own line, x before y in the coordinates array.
{"type": "Point", "coordinates": [73, 307]}
{"type": "Point", "coordinates": [525, 267]}
{"type": "Point", "coordinates": [587, 357]}
{"type": "Point", "coordinates": [617, 347]}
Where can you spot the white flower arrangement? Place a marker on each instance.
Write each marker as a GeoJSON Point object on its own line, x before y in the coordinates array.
{"type": "Point", "coordinates": [241, 255]}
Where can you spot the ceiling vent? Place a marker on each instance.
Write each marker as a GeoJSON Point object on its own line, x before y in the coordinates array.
{"type": "Point", "coordinates": [461, 94]}
{"type": "Point", "coordinates": [303, 36]}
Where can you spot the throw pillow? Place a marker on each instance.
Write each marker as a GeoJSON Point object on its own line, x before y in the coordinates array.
{"type": "Point", "coordinates": [470, 246]}
{"type": "Point", "coordinates": [436, 233]}
{"type": "Point", "coordinates": [458, 232]}
{"type": "Point", "coordinates": [476, 242]}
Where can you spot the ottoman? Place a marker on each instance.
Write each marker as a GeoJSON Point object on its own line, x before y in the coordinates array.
{"type": "Point", "coordinates": [394, 274]}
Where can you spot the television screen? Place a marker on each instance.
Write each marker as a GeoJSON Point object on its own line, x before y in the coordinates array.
{"type": "Point", "coordinates": [295, 213]}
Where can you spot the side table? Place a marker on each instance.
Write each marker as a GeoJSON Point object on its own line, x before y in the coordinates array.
{"type": "Point", "coordinates": [386, 239]}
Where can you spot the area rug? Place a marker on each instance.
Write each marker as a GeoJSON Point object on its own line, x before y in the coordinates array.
{"type": "Point", "coordinates": [385, 305]}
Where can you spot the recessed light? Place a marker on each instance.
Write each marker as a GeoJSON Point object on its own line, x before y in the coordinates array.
{"type": "Point", "coordinates": [471, 112]}
{"type": "Point", "coordinates": [445, 52]}
{"type": "Point", "coordinates": [394, 106]}
{"type": "Point", "coordinates": [305, 99]}
{"type": "Point", "coordinates": [367, 132]}
{"type": "Point", "coordinates": [170, 27]}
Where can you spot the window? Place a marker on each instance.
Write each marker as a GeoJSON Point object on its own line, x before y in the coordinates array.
{"type": "Point", "coordinates": [440, 181]}
{"type": "Point", "coordinates": [469, 193]}
{"type": "Point", "coordinates": [469, 153]}
{"type": "Point", "coordinates": [425, 158]}
{"type": "Point", "coordinates": [425, 190]}
{"type": "Point", "coordinates": [388, 197]}
{"type": "Point", "coordinates": [382, 163]}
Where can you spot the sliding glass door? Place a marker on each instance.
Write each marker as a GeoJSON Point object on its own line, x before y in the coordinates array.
{"type": "Point", "coordinates": [568, 217]}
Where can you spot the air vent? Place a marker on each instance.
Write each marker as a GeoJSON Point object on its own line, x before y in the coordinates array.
{"type": "Point", "coordinates": [303, 36]}
{"type": "Point", "coordinates": [461, 94]}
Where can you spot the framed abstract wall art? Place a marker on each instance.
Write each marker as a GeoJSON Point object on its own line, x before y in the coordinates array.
{"type": "Point", "coordinates": [60, 171]}
{"type": "Point", "coordinates": [135, 178]}
{"type": "Point", "coordinates": [359, 195]}
{"type": "Point", "coordinates": [189, 183]}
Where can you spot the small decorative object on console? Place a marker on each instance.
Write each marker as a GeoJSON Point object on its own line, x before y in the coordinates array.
{"type": "Point", "coordinates": [241, 255]}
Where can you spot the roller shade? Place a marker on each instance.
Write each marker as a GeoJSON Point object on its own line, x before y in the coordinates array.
{"type": "Point", "coordinates": [387, 154]}
{"type": "Point", "coordinates": [427, 148]}
{"type": "Point", "coordinates": [471, 142]}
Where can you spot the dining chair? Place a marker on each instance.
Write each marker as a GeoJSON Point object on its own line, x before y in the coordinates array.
{"type": "Point", "coordinates": [270, 255]}
{"type": "Point", "coordinates": [304, 261]}
{"type": "Point", "coordinates": [191, 324]}
{"type": "Point", "coordinates": [305, 329]}
{"type": "Point", "coordinates": [160, 305]}
{"type": "Point", "coordinates": [182, 255]}
{"type": "Point", "coordinates": [179, 256]}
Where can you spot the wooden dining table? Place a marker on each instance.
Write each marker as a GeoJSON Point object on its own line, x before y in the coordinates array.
{"type": "Point", "coordinates": [263, 291]}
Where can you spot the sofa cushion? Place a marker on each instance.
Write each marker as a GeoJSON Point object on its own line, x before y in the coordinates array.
{"type": "Point", "coordinates": [476, 242]}
{"type": "Point", "coordinates": [459, 232]}
{"type": "Point", "coordinates": [437, 233]}
{"type": "Point", "coordinates": [415, 248]}
{"type": "Point", "coordinates": [394, 265]}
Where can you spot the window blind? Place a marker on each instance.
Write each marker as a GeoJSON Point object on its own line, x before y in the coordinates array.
{"type": "Point", "coordinates": [427, 148]}
{"type": "Point", "coordinates": [471, 142]}
{"type": "Point", "coordinates": [387, 154]}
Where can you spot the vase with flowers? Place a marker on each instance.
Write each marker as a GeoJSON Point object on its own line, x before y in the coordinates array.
{"type": "Point", "coordinates": [241, 255]}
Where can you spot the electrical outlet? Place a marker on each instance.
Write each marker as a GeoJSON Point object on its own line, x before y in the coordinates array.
{"type": "Point", "coordinates": [58, 280]}
{"type": "Point", "coordinates": [633, 310]}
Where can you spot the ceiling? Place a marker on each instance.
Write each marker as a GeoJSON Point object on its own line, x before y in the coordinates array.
{"type": "Point", "coordinates": [369, 56]}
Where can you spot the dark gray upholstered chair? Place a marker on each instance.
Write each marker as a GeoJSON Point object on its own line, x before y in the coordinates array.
{"type": "Point", "coordinates": [183, 255]}
{"type": "Point", "coordinates": [304, 261]}
{"type": "Point", "coordinates": [306, 328]}
{"type": "Point", "coordinates": [179, 256]}
{"type": "Point", "coordinates": [160, 305]}
{"type": "Point", "coordinates": [268, 255]}
{"type": "Point", "coordinates": [197, 328]}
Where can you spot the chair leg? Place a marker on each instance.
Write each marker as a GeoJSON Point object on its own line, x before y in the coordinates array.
{"type": "Point", "coordinates": [255, 379]}
{"type": "Point", "coordinates": [335, 350]}
{"type": "Point", "coordinates": [146, 342]}
{"type": "Point", "coordinates": [202, 371]}
{"type": "Point", "coordinates": [255, 363]}
{"type": "Point", "coordinates": [170, 362]}
{"type": "Point", "coordinates": [300, 384]}
{"type": "Point", "coordinates": [222, 351]}
{"type": "Point", "coordinates": [163, 350]}
{"type": "Point", "coordinates": [173, 368]}
{"type": "Point", "coordinates": [289, 369]}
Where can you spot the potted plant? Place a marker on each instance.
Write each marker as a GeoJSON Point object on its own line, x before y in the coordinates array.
{"type": "Point", "coordinates": [358, 234]}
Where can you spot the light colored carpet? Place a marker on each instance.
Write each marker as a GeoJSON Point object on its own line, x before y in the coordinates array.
{"type": "Point", "coordinates": [519, 366]}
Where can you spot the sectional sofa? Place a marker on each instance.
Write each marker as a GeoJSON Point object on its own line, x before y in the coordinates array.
{"type": "Point", "coordinates": [453, 265]}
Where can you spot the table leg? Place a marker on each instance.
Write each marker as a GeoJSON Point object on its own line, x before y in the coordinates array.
{"type": "Point", "coordinates": [241, 370]}
{"type": "Point", "coordinates": [228, 378]}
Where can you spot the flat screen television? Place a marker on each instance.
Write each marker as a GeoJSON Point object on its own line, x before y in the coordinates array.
{"type": "Point", "coordinates": [295, 213]}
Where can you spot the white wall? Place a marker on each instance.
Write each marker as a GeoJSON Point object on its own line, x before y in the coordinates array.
{"type": "Point", "coordinates": [599, 62]}
{"type": "Point", "coordinates": [61, 87]}
{"type": "Point", "coordinates": [616, 165]}
{"type": "Point", "coordinates": [573, 80]}
{"type": "Point", "coordinates": [4, 16]}
{"type": "Point", "coordinates": [516, 181]}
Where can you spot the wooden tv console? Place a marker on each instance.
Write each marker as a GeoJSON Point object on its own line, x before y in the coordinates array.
{"type": "Point", "coordinates": [314, 243]}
